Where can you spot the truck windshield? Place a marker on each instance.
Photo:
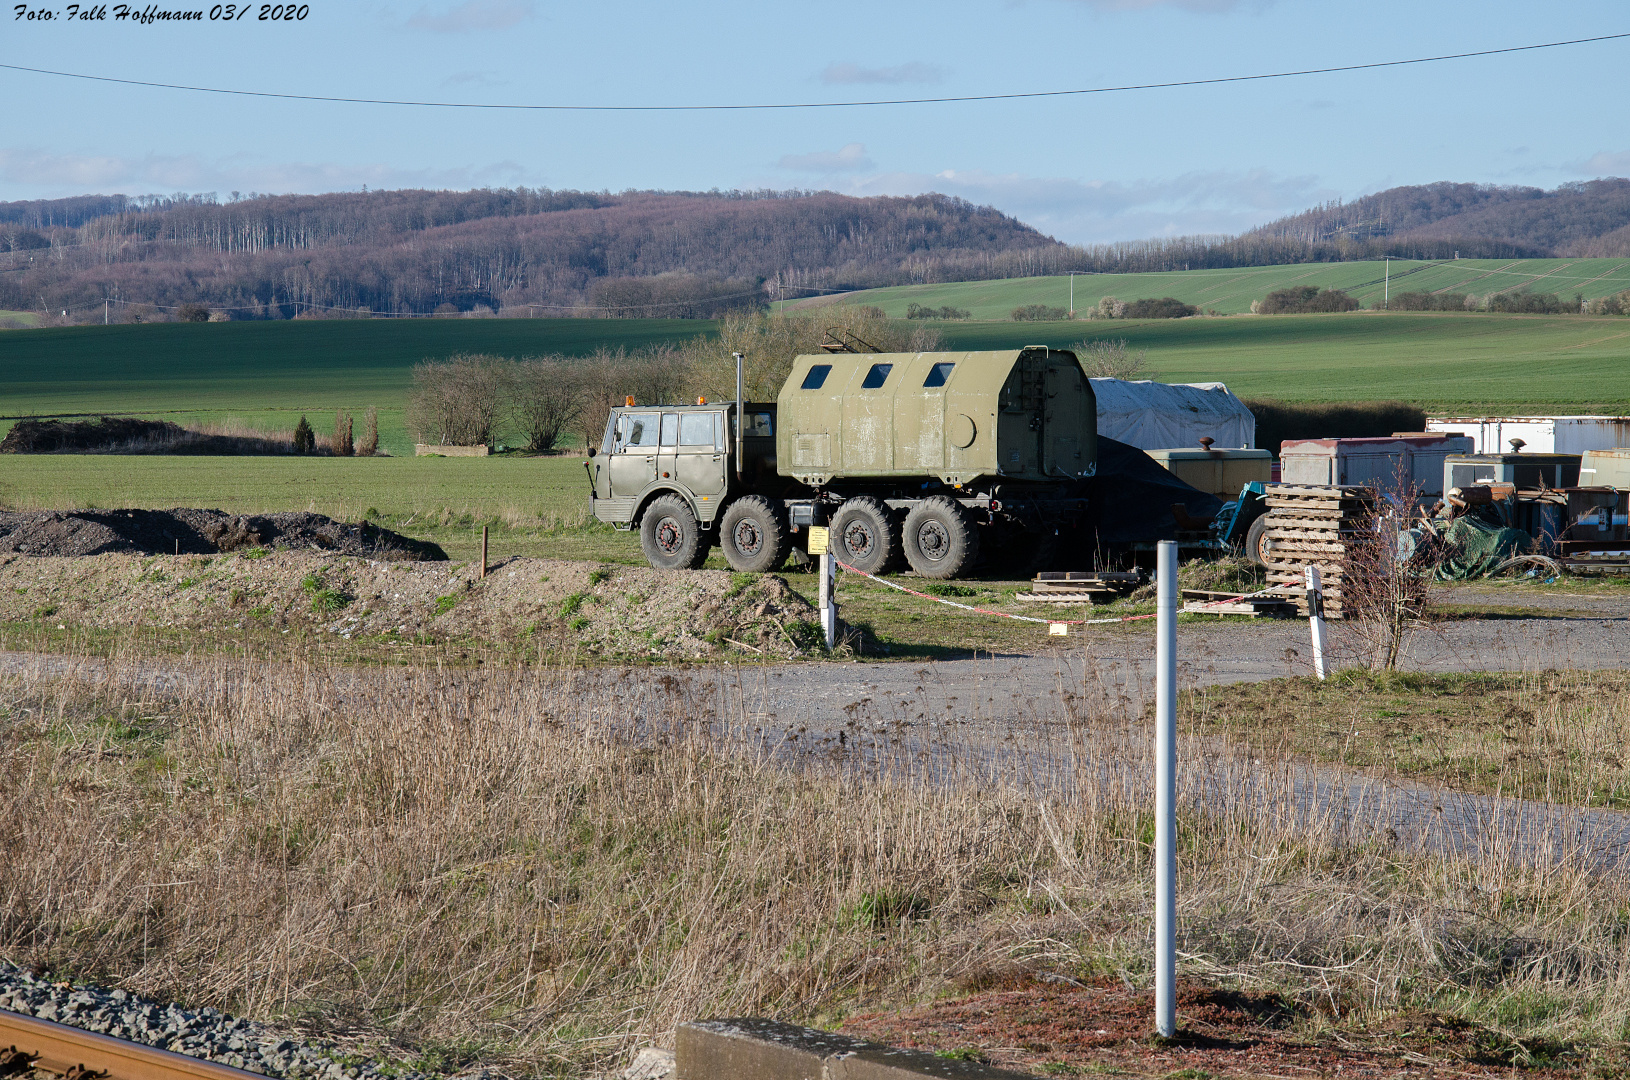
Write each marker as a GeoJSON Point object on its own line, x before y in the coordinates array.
{"type": "Point", "coordinates": [637, 430]}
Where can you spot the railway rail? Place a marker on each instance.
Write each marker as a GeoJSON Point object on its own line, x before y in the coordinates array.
{"type": "Point", "coordinates": [28, 1044]}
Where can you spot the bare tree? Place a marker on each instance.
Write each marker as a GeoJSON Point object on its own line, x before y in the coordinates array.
{"type": "Point", "coordinates": [547, 398]}
{"type": "Point", "coordinates": [1110, 359]}
{"type": "Point", "coordinates": [655, 375]}
{"type": "Point", "coordinates": [461, 401]}
{"type": "Point", "coordinates": [342, 446]}
{"type": "Point", "coordinates": [368, 445]}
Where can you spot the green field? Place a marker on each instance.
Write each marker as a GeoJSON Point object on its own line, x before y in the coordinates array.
{"type": "Point", "coordinates": [27, 318]}
{"type": "Point", "coordinates": [1230, 292]}
{"type": "Point", "coordinates": [268, 373]}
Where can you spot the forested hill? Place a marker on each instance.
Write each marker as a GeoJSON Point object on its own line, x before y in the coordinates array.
{"type": "Point", "coordinates": [1585, 220]}
{"type": "Point", "coordinates": [559, 252]}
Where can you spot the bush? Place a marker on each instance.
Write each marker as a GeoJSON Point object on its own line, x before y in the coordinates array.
{"type": "Point", "coordinates": [1109, 308]}
{"type": "Point", "coordinates": [305, 440]}
{"type": "Point", "coordinates": [342, 446]}
{"type": "Point", "coordinates": [1039, 313]}
{"type": "Point", "coordinates": [1166, 307]}
{"type": "Point", "coordinates": [1303, 300]}
{"type": "Point", "coordinates": [459, 402]}
{"type": "Point", "coordinates": [368, 445]}
{"type": "Point", "coordinates": [918, 311]}
{"type": "Point", "coordinates": [1424, 301]}
{"type": "Point", "coordinates": [1109, 359]}
{"type": "Point", "coordinates": [1277, 421]}
{"type": "Point", "coordinates": [192, 313]}
{"type": "Point", "coordinates": [548, 395]}
{"type": "Point", "coordinates": [1618, 304]}
{"type": "Point", "coordinates": [1529, 303]}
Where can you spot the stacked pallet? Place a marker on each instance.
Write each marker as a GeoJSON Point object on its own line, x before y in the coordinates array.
{"type": "Point", "coordinates": [1081, 587]}
{"type": "Point", "coordinates": [1315, 525]}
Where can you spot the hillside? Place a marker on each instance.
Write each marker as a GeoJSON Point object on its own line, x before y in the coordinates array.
{"type": "Point", "coordinates": [541, 252]}
{"type": "Point", "coordinates": [1230, 291]}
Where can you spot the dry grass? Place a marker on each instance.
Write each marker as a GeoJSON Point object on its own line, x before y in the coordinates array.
{"type": "Point", "coordinates": [547, 868]}
{"type": "Point", "coordinates": [1560, 736]}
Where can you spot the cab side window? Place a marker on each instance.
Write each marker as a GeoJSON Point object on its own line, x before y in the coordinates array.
{"type": "Point", "coordinates": [670, 429]}
{"type": "Point", "coordinates": [696, 430]}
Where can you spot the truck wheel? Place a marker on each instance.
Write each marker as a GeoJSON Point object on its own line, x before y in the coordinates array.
{"type": "Point", "coordinates": [669, 535]}
{"type": "Point", "coordinates": [1256, 542]}
{"type": "Point", "coordinates": [753, 535]}
{"type": "Point", "coordinates": [865, 536]}
{"type": "Point", "coordinates": [940, 538]}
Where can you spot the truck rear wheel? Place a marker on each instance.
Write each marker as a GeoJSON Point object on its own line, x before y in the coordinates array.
{"type": "Point", "coordinates": [670, 537]}
{"type": "Point", "coordinates": [941, 540]}
{"type": "Point", "coordinates": [1256, 548]}
{"type": "Point", "coordinates": [865, 535]}
{"type": "Point", "coordinates": [753, 535]}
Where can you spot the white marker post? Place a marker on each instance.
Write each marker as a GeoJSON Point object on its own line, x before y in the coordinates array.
{"type": "Point", "coordinates": [819, 540]}
{"type": "Point", "coordinates": [1166, 789]}
{"type": "Point", "coordinates": [1315, 618]}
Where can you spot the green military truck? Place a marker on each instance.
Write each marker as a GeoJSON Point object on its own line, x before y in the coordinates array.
{"type": "Point", "coordinates": [917, 458]}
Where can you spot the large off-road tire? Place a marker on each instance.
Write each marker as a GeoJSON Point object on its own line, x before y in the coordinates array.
{"type": "Point", "coordinates": [1256, 542]}
{"type": "Point", "coordinates": [669, 535]}
{"type": "Point", "coordinates": [941, 540]}
{"type": "Point", "coordinates": [865, 535]}
{"type": "Point", "coordinates": [753, 535]}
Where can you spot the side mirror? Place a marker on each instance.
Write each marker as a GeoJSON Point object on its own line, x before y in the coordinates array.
{"type": "Point", "coordinates": [593, 451]}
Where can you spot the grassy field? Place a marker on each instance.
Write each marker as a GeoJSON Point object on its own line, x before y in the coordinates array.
{"type": "Point", "coordinates": [1230, 292]}
{"type": "Point", "coordinates": [1447, 362]}
{"type": "Point", "coordinates": [27, 318]}
{"type": "Point", "coordinates": [268, 373]}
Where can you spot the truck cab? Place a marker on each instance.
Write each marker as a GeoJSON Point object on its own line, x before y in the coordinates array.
{"type": "Point", "coordinates": [680, 459]}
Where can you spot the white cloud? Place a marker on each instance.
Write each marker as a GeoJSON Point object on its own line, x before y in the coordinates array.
{"type": "Point", "coordinates": [37, 174]}
{"type": "Point", "coordinates": [914, 72]}
{"type": "Point", "coordinates": [1604, 163]}
{"type": "Point", "coordinates": [472, 15]}
{"type": "Point", "coordinates": [852, 158]}
{"type": "Point", "coordinates": [1101, 211]}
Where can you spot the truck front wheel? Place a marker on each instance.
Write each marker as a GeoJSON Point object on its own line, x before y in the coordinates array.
{"type": "Point", "coordinates": [865, 536]}
{"type": "Point", "coordinates": [753, 535]}
{"type": "Point", "coordinates": [670, 537]}
{"type": "Point", "coordinates": [941, 540]}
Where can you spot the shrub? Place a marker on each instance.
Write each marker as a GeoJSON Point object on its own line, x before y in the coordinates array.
{"type": "Point", "coordinates": [192, 313]}
{"type": "Point", "coordinates": [305, 440]}
{"type": "Point", "coordinates": [368, 445]}
{"type": "Point", "coordinates": [548, 395]}
{"type": "Point", "coordinates": [459, 402]}
{"type": "Point", "coordinates": [1109, 308]}
{"type": "Point", "coordinates": [1424, 301]}
{"type": "Point", "coordinates": [1618, 304]}
{"type": "Point", "coordinates": [1166, 307]}
{"type": "Point", "coordinates": [1277, 421]}
{"type": "Point", "coordinates": [1039, 313]}
{"type": "Point", "coordinates": [1302, 300]}
{"type": "Point", "coordinates": [1528, 303]}
{"type": "Point", "coordinates": [342, 446]}
{"type": "Point", "coordinates": [918, 311]}
{"type": "Point", "coordinates": [1109, 359]}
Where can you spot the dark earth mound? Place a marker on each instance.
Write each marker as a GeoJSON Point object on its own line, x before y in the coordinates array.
{"type": "Point", "coordinates": [125, 435]}
{"type": "Point", "coordinates": [198, 532]}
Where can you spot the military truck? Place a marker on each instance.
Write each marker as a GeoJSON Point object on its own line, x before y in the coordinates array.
{"type": "Point", "coordinates": [916, 458]}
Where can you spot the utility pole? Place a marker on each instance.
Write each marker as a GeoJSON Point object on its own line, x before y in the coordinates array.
{"type": "Point", "coordinates": [104, 311]}
{"type": "Point", "coordinates": [1072, 274]}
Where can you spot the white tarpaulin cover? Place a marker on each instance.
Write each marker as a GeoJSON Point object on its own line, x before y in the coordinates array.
{"type": "Point", "coordinates": [1166, 416]}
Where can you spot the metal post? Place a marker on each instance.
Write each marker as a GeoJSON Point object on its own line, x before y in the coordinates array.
{"type": "Point", "coordinates": [1315, 618]}
{"type": "Point", "coordinates": [483, 551]}
{"type": "Point", "coordinates": [741, 415]}
{"type": "Point", "coordinates": [829, 608]}
{"type": "Point", "coordinates": [1386, 283]}
{"type": "Point", "coordinates": [1166, 790]}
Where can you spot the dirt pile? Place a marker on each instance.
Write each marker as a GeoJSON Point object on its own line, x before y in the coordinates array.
{"type": "Point", "coordinates": [77, 533]}
{"type": "Point", "coordinates": [538, 605]}
{"type": "Point", "coordinates": [125, 435]}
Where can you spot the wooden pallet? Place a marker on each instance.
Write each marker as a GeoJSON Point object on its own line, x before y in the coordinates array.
{"type": "Point", "coordinates": [1081, 596]}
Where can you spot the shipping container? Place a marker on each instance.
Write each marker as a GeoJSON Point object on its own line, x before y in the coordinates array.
{"type": "Point", "coordinates": [1371, 461]}
{"type": "Point", "coordinates": [1527, 471]}
{"type": "Point", "coordinates": [1539, 434]}
{"type": "Point", "coordinates": [1221, 472]}
{"type": "Point", "coordinates": [1606, 468]}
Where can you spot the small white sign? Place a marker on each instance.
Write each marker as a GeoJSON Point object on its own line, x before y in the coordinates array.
{"type": "Point", "coordinates": [1058, 629]}
{"type": "Point", "coordinates": [818, 536]}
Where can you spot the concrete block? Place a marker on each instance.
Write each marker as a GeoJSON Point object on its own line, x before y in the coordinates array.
{"type": "Point", "coordinates": [748, 1048]}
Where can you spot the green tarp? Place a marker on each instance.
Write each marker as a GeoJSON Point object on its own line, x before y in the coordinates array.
{"type": "Point", "coordinates": [1474, 548]}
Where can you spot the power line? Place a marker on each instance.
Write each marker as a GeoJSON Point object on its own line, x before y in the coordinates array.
{"type": "Point", "coordinates": [816, 104]}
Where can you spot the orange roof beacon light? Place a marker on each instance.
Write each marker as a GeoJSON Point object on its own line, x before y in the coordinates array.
{"type": "Point", "coordinates": [701, 401]}
{"type": "Point", "coordinates": [629, 400]}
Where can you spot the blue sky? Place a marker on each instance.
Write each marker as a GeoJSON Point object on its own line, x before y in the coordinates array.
{"type": "Point", "coordinates": [1085, 169]}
